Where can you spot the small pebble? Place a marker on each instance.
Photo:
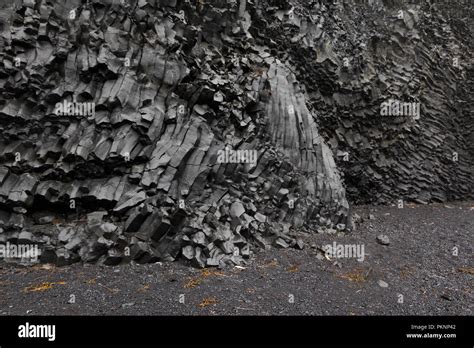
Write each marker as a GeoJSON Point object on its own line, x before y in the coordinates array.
{"type": "Point", "coordinates": [383, 239]}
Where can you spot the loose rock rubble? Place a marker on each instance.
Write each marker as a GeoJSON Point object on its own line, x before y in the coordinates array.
{"type": "Point", "coordinates": [383, 239]}
{"type": "Point", "coordinates": [115, 117]}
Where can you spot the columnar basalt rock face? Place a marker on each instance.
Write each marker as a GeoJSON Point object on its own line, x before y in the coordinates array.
{"type": "Point", "coordinates": [138, 176]}
{"type": "Point", "coordinates": [353, 60]}
{"type": "Point", "coordinates": [115, 115]}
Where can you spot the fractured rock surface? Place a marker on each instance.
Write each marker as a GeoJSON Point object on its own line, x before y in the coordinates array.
{"type": "Point", "coordinates": [353, 58]}
{"type": "Point", "coordinates": [115, 117]}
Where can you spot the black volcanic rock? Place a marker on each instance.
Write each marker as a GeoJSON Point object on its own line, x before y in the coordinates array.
{"type": "Point", "coordinates": [206, 130]}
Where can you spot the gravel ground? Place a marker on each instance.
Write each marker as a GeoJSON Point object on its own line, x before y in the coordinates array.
{"type": "Point", "coordinates": [416, 274]}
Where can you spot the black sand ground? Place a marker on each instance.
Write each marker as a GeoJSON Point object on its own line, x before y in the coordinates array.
{"type": "Point", "coordinates": [422, 274]}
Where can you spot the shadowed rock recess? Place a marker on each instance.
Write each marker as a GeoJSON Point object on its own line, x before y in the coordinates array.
{"type": "Point", "coordinates": [156, 130]}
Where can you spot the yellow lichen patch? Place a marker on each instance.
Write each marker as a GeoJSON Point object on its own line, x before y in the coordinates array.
{"type": "Point", "coordinates": [114, 291]}
{"type": "Point", "coordinates": [42, 287]}
{"type": "Point", "coordinates": [358, 276]}
{"type": "Point", "coordinates": [192, 283]}
{"type": "Point", "coordinates": [273, 263]}
{"type": "Point", "coordinates": [205, 273]}
{"type": "Point", "coordinates": [292, 269]}
{"type": "Point", "coordinates": [144, 288]}
{"type": "Point", "coordinates": [405, 271]}
{"type": "Point", "coordinates": [468, 270]}
{"type": "Point", "coordinates": [211, 272]}
{"type": "Point", "coordinates": [207, 302]}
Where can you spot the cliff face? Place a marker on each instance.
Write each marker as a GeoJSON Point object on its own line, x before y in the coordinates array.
{"type": "Point", "coordinates": [353, 59]}
{"type": "Point", "coordinates": [153, 130]}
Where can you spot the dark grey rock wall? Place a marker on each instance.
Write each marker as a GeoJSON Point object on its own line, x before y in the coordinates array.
{"type": "Point", "coordinates": [352, 59]}
{"type": "Point", "coordinates": [154, 130]}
